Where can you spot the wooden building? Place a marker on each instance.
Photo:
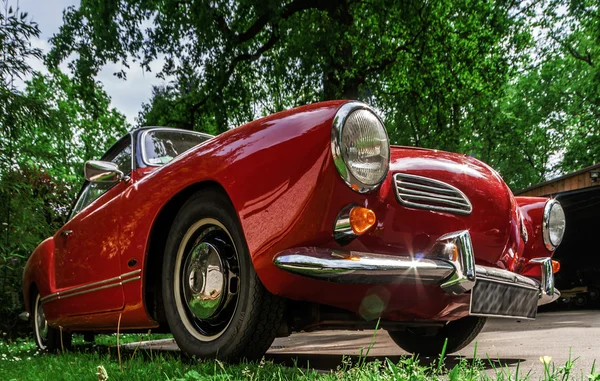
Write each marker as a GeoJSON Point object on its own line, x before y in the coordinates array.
{"type": "Point", "coordinates": [584, 178]}
{"type": "Point", "coordinates": [579, 252]}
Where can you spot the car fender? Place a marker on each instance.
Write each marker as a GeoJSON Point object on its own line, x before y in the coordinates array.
{"type": "Point", "coordinates": [532, 209]}
{"type": "Point", "coordinates": [271, 169]}
{"type": "Point", "coordinates": [39, 271]}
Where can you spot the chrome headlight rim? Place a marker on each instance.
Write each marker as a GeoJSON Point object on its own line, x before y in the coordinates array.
{"type": "Point", "coordinates": [336, 147]}
{"type": "Point", "coordinates": [546, 225]}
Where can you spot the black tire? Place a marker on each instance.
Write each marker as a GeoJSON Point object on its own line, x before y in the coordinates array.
{"type": "Point", "coordinates": [215, 304]}
{"type": "Point", "coordinates": [47, 339]}
{"type": "Point", "coordinates": [430, 341]}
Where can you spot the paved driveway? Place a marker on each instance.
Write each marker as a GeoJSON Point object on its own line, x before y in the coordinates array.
{"type": "Point", "coordinates": [506, 342]}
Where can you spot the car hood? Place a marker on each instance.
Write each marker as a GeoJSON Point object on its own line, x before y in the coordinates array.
{"type": "Point", "coordinates": [493, 220]}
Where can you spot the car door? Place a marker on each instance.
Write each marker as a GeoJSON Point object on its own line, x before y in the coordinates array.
{"type": "Point", "coordinates": [87, 248]}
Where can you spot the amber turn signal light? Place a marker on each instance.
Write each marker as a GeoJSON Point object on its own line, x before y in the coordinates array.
{"type": "Point", "coordinates": [555, 266]}
{"type": "Point", "coordinates": [361, 219]}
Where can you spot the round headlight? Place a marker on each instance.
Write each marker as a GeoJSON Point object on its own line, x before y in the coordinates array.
{"type": "Point", "coordinates": [360, 147]}
{"type": "Point", "coordinates": [554, 224]}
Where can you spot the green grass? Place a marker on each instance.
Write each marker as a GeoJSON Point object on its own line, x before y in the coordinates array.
{"type": "Point", "coordinates": [21, 361]}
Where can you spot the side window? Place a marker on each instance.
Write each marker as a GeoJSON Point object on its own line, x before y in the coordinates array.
{"type": "Point", "coordinates": [120, 154]}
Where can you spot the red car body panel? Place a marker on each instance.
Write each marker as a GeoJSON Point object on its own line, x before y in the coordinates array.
{"type": "Point", "coordinates": [279, 174]}
{"type": "Point", "coordinates": [532, 209]}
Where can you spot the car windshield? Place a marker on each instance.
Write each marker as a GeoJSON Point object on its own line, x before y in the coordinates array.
{"type": "Point", "coordinates": [161, 146]}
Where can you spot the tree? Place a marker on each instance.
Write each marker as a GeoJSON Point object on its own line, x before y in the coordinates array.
{"type": "Point", "coordinates": [457, 75]}
{"type": "Point", "coordinates": [46, 133]}
{"type": "Point", "coordinates": [46, 171]}
{"type": "Point", "coordinates": [574, 42]}
{"type": "Point", "coordinates": [15, 31]}
{"type": "Point", "coordinates": [234, 61]}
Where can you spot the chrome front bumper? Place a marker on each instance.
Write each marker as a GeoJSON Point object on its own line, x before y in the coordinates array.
{"type": "Point", "coordinates": [450, 263]}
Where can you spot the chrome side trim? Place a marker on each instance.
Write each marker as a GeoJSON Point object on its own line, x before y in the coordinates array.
{"type": "Point", "coordinates": [96, 286]}
{"type": "Point", "coordinates": [145, 132]}
{"type": "Point", "coordinates": [427, 193]}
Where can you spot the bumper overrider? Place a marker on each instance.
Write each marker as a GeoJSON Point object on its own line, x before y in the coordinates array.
{"type": "Point", "coordinates": [450, 263]}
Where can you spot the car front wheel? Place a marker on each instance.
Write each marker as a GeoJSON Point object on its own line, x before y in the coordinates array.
{"type": "Point", "coordinates": [47, 338]}
{"type": "Point", "coordinates": [215, 304]}
{"type": "Point", "coordinates": [429, 341]}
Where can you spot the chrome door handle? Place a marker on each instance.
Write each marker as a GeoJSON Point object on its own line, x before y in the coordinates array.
{"type": "Point", "coordinates": [66, 233]}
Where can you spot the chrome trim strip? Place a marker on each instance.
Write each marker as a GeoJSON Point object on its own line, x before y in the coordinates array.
{"type": "Point", "coordinates": [502, 316]}
{"type": "Point", "coordinates": [425, 187]}
{"type": "Point", "coordinates": [93, 289]}
{"type": "Point", "coordinates": [336, 150]}
{"type": "Point", "coordinates": [413, 193]}
{"type": "Point", "coordinates": [428, 189]}
{"type": "Point", "coordinates": [518, 282]}
{"type": "Point", "coordinates": [145, 132]}
{"type": "Point", "coordinates": [363, 268]}
{"type": "Point", "coordinates": [92, 286]}
{"type": "Point", "coordinates": [505, 276]}
{"type": "Point", "coordinates": [428, 198]}
{"type": "Point", "coordinates": [65, 296]}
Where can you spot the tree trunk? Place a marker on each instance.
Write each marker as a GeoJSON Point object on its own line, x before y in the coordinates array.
{"type": "Point", "coordinates": [338, 81]}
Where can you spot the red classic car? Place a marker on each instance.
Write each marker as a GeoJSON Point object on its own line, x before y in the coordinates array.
{"type": "Point", "coordinates": [303, 220]}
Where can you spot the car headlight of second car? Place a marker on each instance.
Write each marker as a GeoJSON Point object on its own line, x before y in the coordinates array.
{"type": "Point", "coordinates": [360, 147]}
{"type": "Point", "coordinates": [554, 224]}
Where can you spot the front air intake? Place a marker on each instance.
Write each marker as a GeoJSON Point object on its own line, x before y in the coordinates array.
{"type": "Point", "coordinates": [425, 193]}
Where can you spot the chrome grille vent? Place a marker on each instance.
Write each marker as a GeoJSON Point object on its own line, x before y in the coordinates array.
{"type": "Point", "coordinates": [425, 193]}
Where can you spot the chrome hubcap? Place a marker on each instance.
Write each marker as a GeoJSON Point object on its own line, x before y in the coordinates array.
{"type": "Point", "coordinates": [207, 279]}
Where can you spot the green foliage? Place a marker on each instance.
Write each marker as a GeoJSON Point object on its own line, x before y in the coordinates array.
{"type": "Point", "coordinates": [15, 32]}
{"type": "Point", "coordinates": [20, 360]}
{"type": "Point", "coordinates": [573, 31]}
{"type": "Point", "coordinates": [467, 76]}
{"type": "Point", "coordinates": [424, 63]}
{"type": "Point", "coordinates": [45, 169]}
{"type": "Point", "coordinates": [46, 133]}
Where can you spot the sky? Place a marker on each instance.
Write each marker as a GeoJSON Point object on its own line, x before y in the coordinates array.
{"type": "Point", "coordinates": [127, 95]}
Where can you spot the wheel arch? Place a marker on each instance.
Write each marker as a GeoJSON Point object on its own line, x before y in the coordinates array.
{"type": "Point", "coordinates": [30, 290]}
{"type": "Point", "coordinates": [39, 272]}
{"type": "Point", "coordinates": [159, 232]}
